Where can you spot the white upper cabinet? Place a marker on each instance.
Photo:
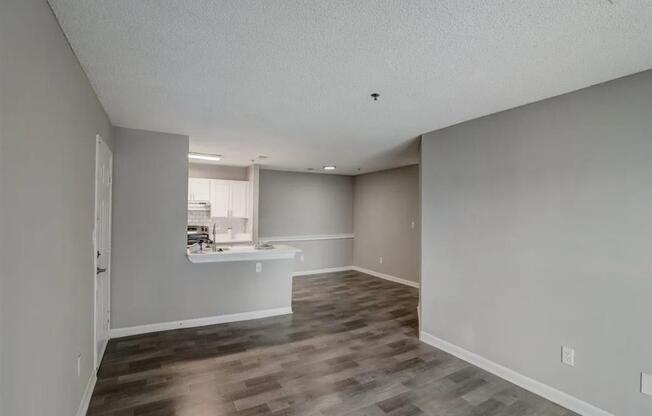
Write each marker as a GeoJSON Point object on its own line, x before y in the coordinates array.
{"type": "Point", "coordinates": [239, 199]}
{"type": "Point", "coordinates": [199, 189]}
{"type": "Point", "coordinates": [227, 198]}
{"type": "Point", "coordinates": [220, 198]}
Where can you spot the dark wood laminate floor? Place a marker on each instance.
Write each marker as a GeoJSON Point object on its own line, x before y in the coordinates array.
{"type": "Point", "coordinates": [350, 348]}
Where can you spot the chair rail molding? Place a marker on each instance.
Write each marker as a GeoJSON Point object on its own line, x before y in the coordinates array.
{"type": "Point", "coordinates": [314, 237]}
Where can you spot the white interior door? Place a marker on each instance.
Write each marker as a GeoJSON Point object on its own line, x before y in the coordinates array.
{"type": "Point", "coordinates": [102, 234]}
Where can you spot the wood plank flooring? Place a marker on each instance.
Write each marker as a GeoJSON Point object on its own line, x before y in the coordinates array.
{"type": "Point", "coordinates": [350, 348]}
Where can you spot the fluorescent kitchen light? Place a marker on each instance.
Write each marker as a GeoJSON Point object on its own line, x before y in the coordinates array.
{"type": "Point", "coordinates": [202, 156]}
{"type": "Point", "coordinates": [329, 167]}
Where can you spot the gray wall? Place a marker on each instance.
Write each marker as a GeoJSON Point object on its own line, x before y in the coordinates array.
{"type": "Point", "coordinates": [294, 204]}
{"type": "Point", "coordinates": [537, 233]}
{"type": "Point", "coordinates": [152, 279]}
{"type": "Point", "coordinates": [210, 171]}
{"type": "Point", "coordinates": [385, 205]}
{"type": "Point", "coordinates": [49, 118]}
{"type": "Point", "coordinates": [323, 254]}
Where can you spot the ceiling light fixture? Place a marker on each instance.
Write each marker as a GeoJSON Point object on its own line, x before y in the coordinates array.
{"type": "Point", "coordinates": [202, 156]}
{"type": "Point", "coordinates": [329, 167]}
{"type": "Point", "coordinates": [375, 96]}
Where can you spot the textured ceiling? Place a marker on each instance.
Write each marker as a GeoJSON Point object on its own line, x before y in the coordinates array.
{"type": "Point", "coordinates": [292, 79]}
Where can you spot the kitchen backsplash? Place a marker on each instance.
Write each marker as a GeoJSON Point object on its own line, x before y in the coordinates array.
{"type": "Point", "coordinates": [238, 225]}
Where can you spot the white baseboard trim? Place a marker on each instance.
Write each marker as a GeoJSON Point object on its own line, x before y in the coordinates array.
{"type": "Point", "coordinates": [88, 392]}
{"type": "Point", "coordinates": [358, 269]}
{"type": "Point", "coordinates": [99, 358]}
{"type": "Point", "coordinates": [191, 323]}
{"type": "Point", "coordinates": [536, 387]}
{"type": "Point", "coordinates": [386, 276]}
{"type": "Point", "coordinates": [320, 271]}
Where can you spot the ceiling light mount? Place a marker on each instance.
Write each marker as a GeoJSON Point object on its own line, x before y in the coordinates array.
{"type": "Point", "coordinates": [258, 158]}
{"type": "Point", "coordinates": [329, 167]}
{"type": "Point", "coordinates": [375, 96]}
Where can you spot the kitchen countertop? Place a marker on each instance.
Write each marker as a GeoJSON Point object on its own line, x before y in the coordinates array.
{"type": "Point", "coordinates": [242, 253]}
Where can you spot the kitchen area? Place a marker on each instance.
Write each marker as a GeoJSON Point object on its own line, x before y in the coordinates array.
{"type": "Point", "coordinates": [222, 213]}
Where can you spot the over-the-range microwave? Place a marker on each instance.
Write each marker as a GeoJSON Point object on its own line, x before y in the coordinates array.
{"type": "Point", "coordinates": [199, 206]}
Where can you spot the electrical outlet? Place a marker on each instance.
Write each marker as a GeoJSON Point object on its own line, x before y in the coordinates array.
{"type": "Point", "coordinates": [79, 365]}
{"type": "Point", "coordinates": [412, 225]}
{"type": "Point", "coordinates": [568, 356]}
{"type": "Point", "coordinates": [646, 384]}
{"type": "Point", "coordinates": [301, 258]}
{"type": "Point", "coordinates": [259, 267]}
{"type": "Point", "coordinates": [380, 259]}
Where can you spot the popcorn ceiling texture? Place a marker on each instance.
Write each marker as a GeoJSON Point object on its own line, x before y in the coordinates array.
{"type": "Point", "coordinates": [291, 80]}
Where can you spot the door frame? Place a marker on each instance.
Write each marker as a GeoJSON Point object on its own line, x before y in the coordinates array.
{"type": "Point", "coordinates": [97, 358]}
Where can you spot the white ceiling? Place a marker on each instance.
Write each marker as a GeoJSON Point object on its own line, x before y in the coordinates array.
{"type": "Point", "coordinates": [292, 79]}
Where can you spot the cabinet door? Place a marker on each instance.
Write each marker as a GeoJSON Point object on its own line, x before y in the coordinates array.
{"type": "Point", "coordinates": [220, 192]}
{"type": "Point", "coordinates": [199, 189]}
{"type": "Point", "coordinates": [239, 196]}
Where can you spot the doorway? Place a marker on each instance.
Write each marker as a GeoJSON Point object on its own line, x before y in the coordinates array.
{"type": "Point", "coordinates": [102, 247]}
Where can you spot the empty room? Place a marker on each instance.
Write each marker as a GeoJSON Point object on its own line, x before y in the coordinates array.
{"type": "Point", "coordinates": [325, 208]}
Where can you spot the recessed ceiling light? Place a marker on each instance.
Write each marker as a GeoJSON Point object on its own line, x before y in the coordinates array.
{"type": "Point", "coordinates": [329, 167]}
{"type": "Point", "coordinates": [203, 156]}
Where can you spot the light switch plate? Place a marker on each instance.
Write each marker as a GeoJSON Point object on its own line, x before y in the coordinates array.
{"type": "Point", "coordinates": [646, 384]}
{"type": "Point", "coordinates": [259, 267]}
{"type": "Point", "coordinates": [568, 356]}
{"type": "Point", "coordinates": [380, 260]}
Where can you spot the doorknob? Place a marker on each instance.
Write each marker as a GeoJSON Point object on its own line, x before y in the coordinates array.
{"type": "Point", "coordinates": [100, 270]}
